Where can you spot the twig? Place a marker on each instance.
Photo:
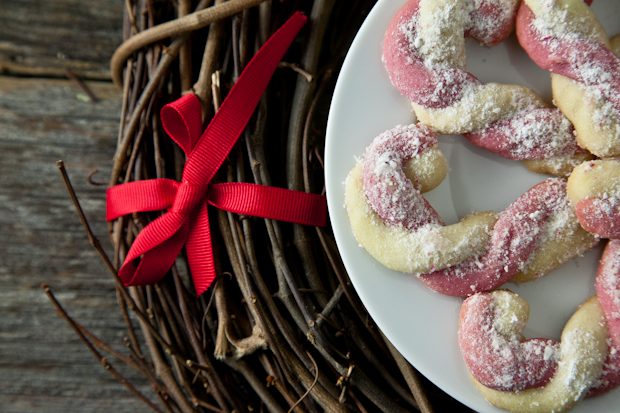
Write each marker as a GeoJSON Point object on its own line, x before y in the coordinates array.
{"type": "Point", "coordinates": [185, 55]}
{"type": "Point", "coordinates": [331, 304]}
{"type": "Point", "coordinates": [202, 87]}
{"type": "Point", "coordinates": [343, 278]}
{"type": "Point", "coordinates": [306, 132]}
{"type": "Point", "coordinates": [411, 377]}
{"type": "Point", "coordinates": [211, 374]}
{"type": "Point", "coordinates": [161, 366]}
{"type": "Point", "coordinates": [92, 349]}
{"type": "Point", "coordinates": [194, 21]}
{"type": "Point", "coordinates": [321, 10]}
{"type": "Point", "coordinates": [316, 379]}
{"type": "Point", "coordinates": [135, 346]}
{"type": "Point", "coordinates": [97, 245]}
{"type": "Point", "coordinates": [276, 378]}
{"type": "Point", "coordinates": [303, 91]}
{"type": "Point", "coordinates": [97, 343]}
{"type": "Point", "coordinates": [130, 15]}
{"type": "Point", "coordinates": [206, 405]}
{"type": "Point", "coordinates": [158, 386]}
{"type": "Point", "coordinates": [258, 386]}
{"type": "Point", "coordinates": [295, 67]}
{"type": "Point", "coordinates": [138, 140]}
{"type": "Point", "coordinates": [90, 178]}
{"type": "Point", "coordinates": [81, 85]}
{"type": "Point", "coordinates": [172, 322]}
{"type": "Point", "coordinates": [135, 362]}
{"type": "Point", "coordinates": [206, 312]}
{"type": "Point", "coordinates": [159, 161]}
{"type": "Point", "coordinates": [379, 366]}
{"type": "Point", "coordinates": [121, 151]}
{"type": "Point", "coordinates": [357, 401]}
{"type": "Point", "coordinates": [125, 101]}
{"type": "Point", "coordinates": [138, 79]}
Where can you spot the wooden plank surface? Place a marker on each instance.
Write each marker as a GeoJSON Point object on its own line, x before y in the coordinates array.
{"type": "Point", "coordinates": [43, 365]}
{"type": "Point", "coordinates": [43, 37]}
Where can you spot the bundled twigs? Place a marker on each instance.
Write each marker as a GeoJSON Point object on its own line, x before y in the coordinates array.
{"type": "Point", "coordinates": [281, 328]}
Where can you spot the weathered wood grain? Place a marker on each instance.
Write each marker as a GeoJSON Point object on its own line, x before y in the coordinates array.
{"type": "Point", "coordinates": [43, 37]}
{"type": "Point", "coordinates": [43, 365]}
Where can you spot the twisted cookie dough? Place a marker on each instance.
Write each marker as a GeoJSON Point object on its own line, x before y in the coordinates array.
{"type": "Point", "coordinates": [583, 350]}
{"type": "Point", "coordinates": [424, 54]}
{"type": "Point", "coordinates": [538, 375]}
{"type": "Point", "coordinates": [566, 38]}
{"type": "Point", "coordinates": [594, 189]}
{"type": "Point", "coordinates": [393, 222]}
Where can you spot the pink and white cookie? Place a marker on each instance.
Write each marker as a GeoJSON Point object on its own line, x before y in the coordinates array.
{"type": "Point", "coordinates": [594, 189]}
{"type": "Point", "coordinates": [537, 375]}
{"type": "Point", "coordinates": [495, 352]}
{"type": "Point", "coordinates": [566, 38]}
{"type": "Point", "coordinates": [608, 291]}
{"type": "Point", "coordinates": [424, 54]}
{"type": "Point", "coordinates": [536, 234]}
{"type": "Point", "coordinates": [401, 163]}
{"type": "Point", "coordinates": [580, 358]}
{"type": "Point", "coordinates": [398, 227]}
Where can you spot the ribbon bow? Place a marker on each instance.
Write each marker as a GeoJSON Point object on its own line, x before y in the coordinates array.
{"type": "Point", "coordinates": [186, 222]}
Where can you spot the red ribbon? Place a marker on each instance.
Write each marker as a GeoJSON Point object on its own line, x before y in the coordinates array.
{"type": "Point", "coordinates": [186, 222]}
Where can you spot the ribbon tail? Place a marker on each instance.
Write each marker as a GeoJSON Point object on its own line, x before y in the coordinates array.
{"type": "Point", "coordinates": [270, 202]}
{"type": "Point", "coordinates": [139, 196]}
{"type": "Point", "coordinates": [237, 109]}
{"type": "Point", "coordinates": [159, 243]}
{"type": "Point", "coordinates": [200, 250]}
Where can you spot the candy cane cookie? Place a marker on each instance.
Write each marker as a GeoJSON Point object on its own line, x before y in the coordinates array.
{"type": "Point", "coordinates": [395, 224]}
{"type": "Point", "coordinates": [608, 291]}
{"type": "Point", "coordinates": [407, 162]}
{"type": "Point", "coordinates": [424, 54]}
{"type": "Point", "coordinates": [594, 190]}
{"type": "Point", "coordinates": [493, 348]}
{"type": "Point", "coordinates": [582, 353]}
{"type": "Point", "coordinates": [539, 375]}
{"type": "Point", "coordinates": [566, 38]}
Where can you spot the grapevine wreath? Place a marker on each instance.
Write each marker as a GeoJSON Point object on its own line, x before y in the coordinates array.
{"type": "Point", "coordinates": [280, 328]}
{"type": "Point", "coordinates": [546, 227]}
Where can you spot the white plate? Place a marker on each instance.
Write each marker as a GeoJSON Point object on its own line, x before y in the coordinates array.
{"type": "Point", "coordinates": [423, 324]}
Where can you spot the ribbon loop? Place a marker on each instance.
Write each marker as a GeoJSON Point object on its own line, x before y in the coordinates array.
{"type": "Point", "coordinates": [182, 121]}
{"type": "Point", "coordinates": [187, 222]}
